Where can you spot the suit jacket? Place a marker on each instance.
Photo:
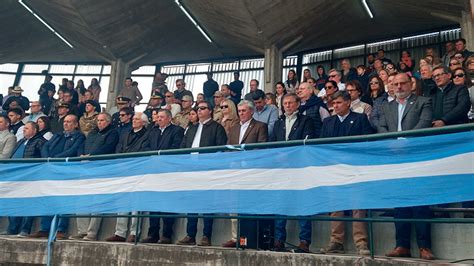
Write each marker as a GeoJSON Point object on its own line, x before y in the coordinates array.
{"type": "Point", "coordinates": [302, 128]}
{"type": "Point", "coordinates": [61, 145]}
{"type": "Point", "coordinates": [417, 114]}
{"type": "Point", "coordinates": [255, 133]}
{"type": "Point", "coordinates": [354, 124]}
{"type": "Point", "coordinates": [213, 134]}
{"type": "Point", "coordinates": [133, 142]}
{"type": "Point", "coordinates": [171, 137]}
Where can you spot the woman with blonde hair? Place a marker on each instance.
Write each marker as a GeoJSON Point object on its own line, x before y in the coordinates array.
{"type": "Point", "coordinates": [229, 115]}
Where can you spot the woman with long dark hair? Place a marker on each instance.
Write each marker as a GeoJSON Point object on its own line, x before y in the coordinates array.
{"type": "Point", "coordinates": [292, 82]}
{"type": "Point", "coordinates": [44, 125]}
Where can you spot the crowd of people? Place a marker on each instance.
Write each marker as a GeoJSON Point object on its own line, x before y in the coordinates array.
{"type": "Point", "coordinates": [383, 96]}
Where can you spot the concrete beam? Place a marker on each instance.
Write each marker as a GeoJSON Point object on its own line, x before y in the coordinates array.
{"type": "Point", "coordinates": [467, 28]}
{"type": "Point", "coordinates": [273, 67]}
{"type": "Point", "coordinates": [119, 71]}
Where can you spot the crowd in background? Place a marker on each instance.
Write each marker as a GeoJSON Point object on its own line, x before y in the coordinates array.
{"type": "Point", "coordinates": [383, 96]}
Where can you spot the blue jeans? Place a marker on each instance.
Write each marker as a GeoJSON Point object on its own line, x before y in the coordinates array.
{"type": "Point", "coordinates": [191, 227]}
{"type": "Point", "coordinates": [305, 230]}
{"type": "Point", "coordinates": [46, 224]}
{"type": "Point", "coordinates": [19, 224]}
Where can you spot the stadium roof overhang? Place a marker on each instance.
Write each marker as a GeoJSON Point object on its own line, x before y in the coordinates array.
{"type": "Point", "coordinates": [149, 32]}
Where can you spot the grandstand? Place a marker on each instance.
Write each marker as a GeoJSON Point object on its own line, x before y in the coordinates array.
{"type": "Point", "coordinates": [104, 149]}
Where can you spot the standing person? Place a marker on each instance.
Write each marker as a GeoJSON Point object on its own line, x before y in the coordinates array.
{"type": "Point", "coordinates": [267, 114]}
{"type": "Point", "coordinates": [348, 72]}
{"type": "Point", "coordinates": [292, 82]}
{"type": "Point", "coordinates": [101, 140]}
{"type": "Point", "coordinates": [236, 87]}
{"type": "Point", "coordinates": [206, 133]}
{"type": "Point", "coordinates": [346, 123]}
{"type": "Point", "coordinates": [136, 140]}
{"type": "Point", "coordinates": [22, 101]}
{"type": "Point", "coordinates": [131, 92]}
{"type": "Point", "coordinates": [312, 106]}
{"type": "Point", "coordinates": [408, 112]}
{"type": "Point", "coordinates": [28, 147]}
{"type": "Point", "coordinates": [322, 77]}
{"type": "Point", "coordinates": [95, 89]}
{"type": "Point", "coordinates": [253, 89]}
{"type": "Point", "coordinates": [451, 104]}
{"type": "Point", "coordinates": [229, 115]}
{"type": "Point", "coordinates": [218, 99]}
{"type": "Point", "coordinates": [306, 75]}
{"type": "Point", "coordinates": [88, 121]}
{"type": "Point", "coordinates": [44, 125]}
{"type": "Point", "coordinates": [209, 88]}
{"type": "Point", "coordinates": [180, 92]}
{"type": "Point", "coordinates": [7, 139]}
{"type": "Point", "coordinates": [35, 112]}
{"type": "Point", "coordinates": [80, 89]}
{"type": "Point", "coordinates": [63, 144]}
{"type": "Point", "coordinates": [159, 85]}
{"type": "Point", "coordinates": [163, 136]}
{"type": "Point", "coordinates": [43, 92]}
{"type": "Point", "coordinates": [248, 130]}
{"type": "Point", "coordinates": [280, 92]}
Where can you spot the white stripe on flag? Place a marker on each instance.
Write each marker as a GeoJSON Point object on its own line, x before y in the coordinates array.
{"type": "Point", "coordinates": [246, 179]}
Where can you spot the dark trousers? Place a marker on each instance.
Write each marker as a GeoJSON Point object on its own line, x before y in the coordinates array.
{"type": "Point", "coordinates": [19, 225]}
{"type": "Point", "coordinates": [403, 229]}
{"type": "Point", "coordinates": [191, 227]}
{"type": "Point", "coordinates": [154, 229]}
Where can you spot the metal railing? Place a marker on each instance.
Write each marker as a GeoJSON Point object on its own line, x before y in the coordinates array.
{"type": "Point", "coordinates": [364, 138]}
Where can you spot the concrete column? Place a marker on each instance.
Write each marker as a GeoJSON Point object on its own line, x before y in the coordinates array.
{"type": "Point", "coordinates": [273, 67]}
{"type": "Point", "coordinates": [467, 28]}
{"type": "Point", "coordinates": [119, 71]}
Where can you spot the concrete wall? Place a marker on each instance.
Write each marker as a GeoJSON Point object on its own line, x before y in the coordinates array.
{"type": "Point", "coordinates": [22, 251]}
{"type": "Point", "coordinates": [450, 241]}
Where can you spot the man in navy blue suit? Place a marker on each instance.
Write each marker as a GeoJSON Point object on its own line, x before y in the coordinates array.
{"type": "Point", "coordinates": [346, 123]}
{"type": "Point", "coordinates": [163, 136]}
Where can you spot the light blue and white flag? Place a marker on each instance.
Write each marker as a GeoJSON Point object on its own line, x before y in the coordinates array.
{"type": "Point", "coordinates": [300, 180]}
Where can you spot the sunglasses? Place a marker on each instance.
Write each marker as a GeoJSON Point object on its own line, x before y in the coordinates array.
{"type": "Point", "coordinates": [459, 75]}
{"type": "Point", "coordinates": [224, 106]}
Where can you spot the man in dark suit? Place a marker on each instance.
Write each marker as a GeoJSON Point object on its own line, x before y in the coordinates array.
{"type": "Point", "coordinates": [407, 112]}
{"type": "Point", "coordinates": [248, 130]}
{"type": "Point", "coordinates": [205, 133]}
{"type": "Point", "coordinates": [163, 136]}
{"type": "Point", "coordinates": [292, 126]}
{"type": "Point", "coordinates": [136, 140]}
{"type": "Point", "coordinates": [346, 123]}
{"type": "Point", "coordinates": [64, 144]}
{"type": "Point", "coordinates": [450, 103]}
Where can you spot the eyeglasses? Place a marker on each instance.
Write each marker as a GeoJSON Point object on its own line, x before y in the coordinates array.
{"type": "Point", "coordinates": [202, 108]}
{"type": "Point", "coordinates": [224, 106]}
{"type": "Point", "coordinates": [217, 96]}
{"type": "Point", "coordinates": [437, 75]}
{"type": "Point", "coordinates": [374, 83]}
{"type": "Point", "coordinates": [458, 75]}
{"type": "Point", "coordinates": [122, 114]}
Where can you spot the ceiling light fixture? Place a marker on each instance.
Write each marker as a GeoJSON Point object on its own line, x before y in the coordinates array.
{"type": "Point", "coordinates": [193, 21]}
{"type": "Point", "coordinates": [364, 3]}
{"type": "Point", "coordinates": [45, 23]}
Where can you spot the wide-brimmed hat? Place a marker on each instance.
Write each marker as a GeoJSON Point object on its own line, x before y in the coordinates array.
{"type": "Point", "coordinates": [17, 89]}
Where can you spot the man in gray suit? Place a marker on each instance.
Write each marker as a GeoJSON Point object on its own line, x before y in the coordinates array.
{"type": "Point", "coordinates": [407, 112]}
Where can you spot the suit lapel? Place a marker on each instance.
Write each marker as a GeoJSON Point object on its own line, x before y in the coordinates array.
{"type": "Point", "coordinates": [350, 120]}
{"type": "Point", "coordinates": [409, 105]}
{"type": "Point", "coordinates": [247, 132]}
{"type": "Point", "coordinates": [393, 114]}
{"type": "Point", "coordinates": [293, 129]}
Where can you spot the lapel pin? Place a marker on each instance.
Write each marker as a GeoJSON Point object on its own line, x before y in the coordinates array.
{"type": "Point", "coordinates": [352, 122]}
